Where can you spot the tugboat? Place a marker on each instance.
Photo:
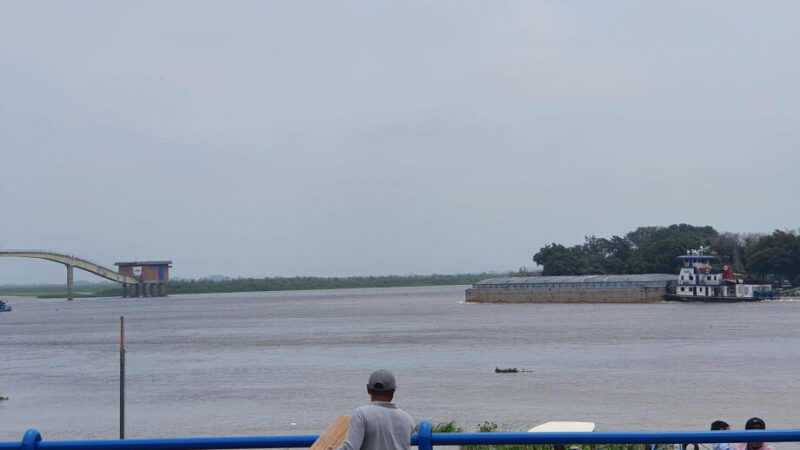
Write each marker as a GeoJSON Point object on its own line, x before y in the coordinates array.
{"type": "Point", "coordinates": [4, 307]}
{"type": "Point", "coordinates": [698, 281]}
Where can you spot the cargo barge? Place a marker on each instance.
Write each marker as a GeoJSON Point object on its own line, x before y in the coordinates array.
{"type": "Point", "coordinates": [638, 288]}
{"type": "Point", "coordinates": [697, 281]}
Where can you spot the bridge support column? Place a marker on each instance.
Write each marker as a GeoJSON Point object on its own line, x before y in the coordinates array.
{"type": "Point", "coordinates": [124, 290]}
{"type": "Point", "coordinates": [69, 282]}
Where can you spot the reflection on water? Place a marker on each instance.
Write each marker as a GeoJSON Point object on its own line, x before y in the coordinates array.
{"type": "Point", "coordinates": [255, 363]}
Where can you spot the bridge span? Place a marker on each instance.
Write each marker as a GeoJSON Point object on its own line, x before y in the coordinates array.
{"type": "Point", "coordinates": [146, 278]}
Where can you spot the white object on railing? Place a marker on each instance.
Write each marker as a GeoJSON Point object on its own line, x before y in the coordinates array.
{"type": "Point", "coordinates": [549, 427]}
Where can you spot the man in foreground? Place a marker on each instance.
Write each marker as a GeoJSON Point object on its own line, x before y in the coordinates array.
{"type": "Point", "coordinates": [381, 425]}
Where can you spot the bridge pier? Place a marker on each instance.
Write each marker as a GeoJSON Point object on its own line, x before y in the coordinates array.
{"type": "Point", "coordinates": [145, 289]}
{"type": "Point", "coordinates": [69, 282]}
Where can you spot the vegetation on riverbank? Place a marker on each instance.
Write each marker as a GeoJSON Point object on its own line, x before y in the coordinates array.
{"type": "Point", "coordinates": [203, 286]}
{"type": "Point", "coordinates": [54, 290]}
{"type": "Point", "coordinates": [759, 257]}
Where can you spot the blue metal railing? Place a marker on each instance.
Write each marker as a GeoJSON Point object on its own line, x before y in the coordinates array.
{"type": "Point", "coordinates": [425, 439]}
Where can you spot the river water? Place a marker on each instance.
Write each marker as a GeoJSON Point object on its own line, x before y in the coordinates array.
{"type": "Point", "coordinates": [271, 363]}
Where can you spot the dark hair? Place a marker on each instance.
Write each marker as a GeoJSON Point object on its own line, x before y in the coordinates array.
{"type": "Point", "coordinates": [389, 393]}
{"type": "Point", "coordinates": [754, 423]}
{"type": "Point", "coordinates": [719, 425]}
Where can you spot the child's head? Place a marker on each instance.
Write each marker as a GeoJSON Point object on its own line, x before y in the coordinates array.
{"type": "Point", "coordinates": [720, 425]}
{"type": "Point", "coordinates": [755, 424]}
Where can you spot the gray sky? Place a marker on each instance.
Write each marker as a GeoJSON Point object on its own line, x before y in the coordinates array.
{"type": "Point", "coordinates": [282, 138]}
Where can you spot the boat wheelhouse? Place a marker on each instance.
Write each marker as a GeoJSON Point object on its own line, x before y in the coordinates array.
{"type": "Point", "coordinates": [698, 280]}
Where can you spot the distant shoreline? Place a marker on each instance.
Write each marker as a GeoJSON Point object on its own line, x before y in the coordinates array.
{"type": "Point", "coordinates": [207, 286]}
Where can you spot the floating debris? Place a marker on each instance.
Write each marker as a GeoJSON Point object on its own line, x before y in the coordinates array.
{"type": "Point", "coordinates": [510, 370]}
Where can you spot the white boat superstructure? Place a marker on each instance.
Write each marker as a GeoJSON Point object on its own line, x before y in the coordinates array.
{"type": "Point", "coordinates": [699, 280]}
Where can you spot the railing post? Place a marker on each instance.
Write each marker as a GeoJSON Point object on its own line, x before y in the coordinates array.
{"type": "Point", "coordinates": [424, 435]}
{"type": "Point", "coordinates": [31, 440]}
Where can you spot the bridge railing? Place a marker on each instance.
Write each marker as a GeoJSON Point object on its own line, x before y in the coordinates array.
{"type": "Point", "coordinates": [424, 440]}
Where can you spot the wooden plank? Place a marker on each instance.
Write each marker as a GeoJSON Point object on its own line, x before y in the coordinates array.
{"type": "Point", "coordinates": [334, 435]}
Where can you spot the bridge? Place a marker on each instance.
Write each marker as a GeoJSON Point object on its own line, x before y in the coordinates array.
{"type": "Point", "coordinates": [147, 278]}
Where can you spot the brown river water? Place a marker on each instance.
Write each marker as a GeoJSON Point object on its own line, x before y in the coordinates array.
{"type": "Point", "coordinates": [277, 363]}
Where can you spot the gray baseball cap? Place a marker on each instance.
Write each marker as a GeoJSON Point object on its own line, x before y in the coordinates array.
{"type": "Point", "coordinates": [382, 380]}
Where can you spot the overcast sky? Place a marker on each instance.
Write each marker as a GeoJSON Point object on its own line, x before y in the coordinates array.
{"type": "Point", "coordinates": [336, 138]}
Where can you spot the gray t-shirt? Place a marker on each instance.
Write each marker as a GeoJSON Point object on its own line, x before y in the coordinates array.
{"type": "Point", "coordinates": [379, 426]}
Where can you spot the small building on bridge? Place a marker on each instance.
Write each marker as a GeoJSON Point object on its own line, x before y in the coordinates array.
{"type": "Point", "coordinates": [154, 276]}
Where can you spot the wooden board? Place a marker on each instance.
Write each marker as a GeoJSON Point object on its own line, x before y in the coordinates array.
{"type": "Point", "coordinates": [334, 435]}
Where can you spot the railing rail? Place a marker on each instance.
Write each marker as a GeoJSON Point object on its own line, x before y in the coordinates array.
{"type": "Point", "coordinates": [425, 440]}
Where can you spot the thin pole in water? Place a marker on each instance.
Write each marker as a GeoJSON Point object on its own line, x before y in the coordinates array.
{"type": "Point", "coordinates": [122, 377]}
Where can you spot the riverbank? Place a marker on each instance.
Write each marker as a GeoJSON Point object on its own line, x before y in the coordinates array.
{"type": "Point", "coordinates": [208, 286]}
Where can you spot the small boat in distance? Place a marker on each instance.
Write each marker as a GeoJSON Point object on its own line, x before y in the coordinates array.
{"type": "Point", "coordinates": [4, 306]}
{"type": "Point", "coordinates": [698, 281]}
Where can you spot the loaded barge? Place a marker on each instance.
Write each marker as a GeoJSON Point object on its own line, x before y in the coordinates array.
{"type": "Point", "coordinates": [697, 281]}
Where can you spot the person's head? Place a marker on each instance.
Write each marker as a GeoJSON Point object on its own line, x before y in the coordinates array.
{"type": "Point", "coordinates": [754, 423]}
{"type": "Point", "coordinates": [720, 425]}
{"type": "Point", "coordinates": [381, 385]}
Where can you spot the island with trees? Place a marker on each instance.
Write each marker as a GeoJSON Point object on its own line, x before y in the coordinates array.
{"type": "Point", "coordinates": [770, 258]}
{"type": "Point", "coordinates": [642, 267]}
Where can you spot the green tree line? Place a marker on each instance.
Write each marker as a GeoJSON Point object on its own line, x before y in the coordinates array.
{"type": "Point", "coordinates": [763, 257]}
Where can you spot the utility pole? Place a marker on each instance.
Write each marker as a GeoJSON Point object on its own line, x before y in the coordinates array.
{"type": "Point", "coordinates": [122, 377]}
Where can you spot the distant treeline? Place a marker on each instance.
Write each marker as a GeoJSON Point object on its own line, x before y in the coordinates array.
{"type": "Point", "coordinates": [766, 257]}
{"type": "Point", "coordinates": [254, 284]}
